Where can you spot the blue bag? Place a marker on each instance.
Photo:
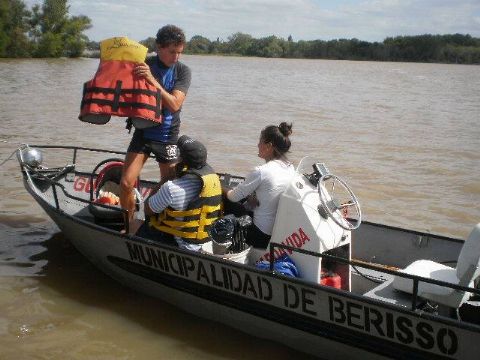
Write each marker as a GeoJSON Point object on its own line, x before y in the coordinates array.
{"type": "Point", "coordinates": [283, 265]}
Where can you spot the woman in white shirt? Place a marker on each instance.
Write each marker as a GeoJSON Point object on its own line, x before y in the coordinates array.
{"type": "Point", "coordinates": [263, 186]}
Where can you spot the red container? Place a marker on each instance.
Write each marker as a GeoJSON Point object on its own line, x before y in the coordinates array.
{"type": "Point", "coordinates": [332, 279]}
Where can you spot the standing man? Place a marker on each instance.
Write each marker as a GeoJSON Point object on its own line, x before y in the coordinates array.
{"type": "Point", "coordinates": [172, 77]}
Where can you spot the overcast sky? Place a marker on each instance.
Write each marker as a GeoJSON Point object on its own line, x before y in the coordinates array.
{"type": "Point", "coordinates": [370, 20]}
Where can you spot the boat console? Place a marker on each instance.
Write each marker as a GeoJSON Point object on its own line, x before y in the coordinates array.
{"type": "Point", "coordinates": [316, 213]}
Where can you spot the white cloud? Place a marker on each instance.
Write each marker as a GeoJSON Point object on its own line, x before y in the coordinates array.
{"type": "Point", "coordinates": [370, 20]}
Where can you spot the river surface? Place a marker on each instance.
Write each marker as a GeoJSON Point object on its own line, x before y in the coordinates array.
{"type": "Point", "coordinates": [405, 137]}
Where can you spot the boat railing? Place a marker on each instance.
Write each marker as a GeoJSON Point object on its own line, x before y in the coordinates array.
{"type": "Point", "coordinates": [416, 279]}
{"type": "Point", "coordinates": [76, 149]}
{"type": "Point", "coordinates": [56, 185]}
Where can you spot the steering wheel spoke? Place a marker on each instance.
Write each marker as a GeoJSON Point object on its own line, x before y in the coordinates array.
{"type": "Point", "coordinates": [346, 205]}
{"type": "Point", "coordinates": [337, 208]}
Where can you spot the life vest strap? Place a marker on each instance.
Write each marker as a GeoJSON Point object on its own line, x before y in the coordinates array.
{"type": "Point", "coordinates": [115, 103]}
{"type": "Point", "coordinates": [116, 96]}
{"type": "Point", "coordinates": [175, 232]}
{"type": "Point", "coordinates": [123, 104]}
{"type": "Point", "coordinates": [183, 213]}
{"type": "Point", "coordinates": [158, 104]}
{"type": "Point", "coordinates": [188, 224]}
{"type": "Point", "coordinates": [97, 89]}
{"type": "Point", "coordinates": [196, 235]}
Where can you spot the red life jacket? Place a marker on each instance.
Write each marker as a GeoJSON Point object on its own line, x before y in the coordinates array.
{"type": "Point", "coordinates": [114, 90]}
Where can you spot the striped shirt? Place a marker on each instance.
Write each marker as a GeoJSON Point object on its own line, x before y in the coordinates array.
{"type": "Point", "coordinates": [175, 193]}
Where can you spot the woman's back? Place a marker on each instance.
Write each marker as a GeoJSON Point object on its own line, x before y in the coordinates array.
{"type": "Point", "coordinates": [275, 176]}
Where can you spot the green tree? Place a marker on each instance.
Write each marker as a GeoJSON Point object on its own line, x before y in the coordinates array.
{"type": "Point", "coordinates": [274, 47]}
{"type": "Point", "coordinates": [54, 33]}
{"type": "Point", "coordinates": [240, 43]}
{"type": "Point", "coordinates": [199, 45]}
{"type": "Point", "coordinates": [218, 47]}
{"type": "Point", "coordinates": [270, 46]}
{"type": "Point", "coordinates": [150, 43]}
{"type": "Point", "coordinates": [305, 48]}
{"type": "Point", "coordinates": [13, 29]}
{"type": "Point", "coordinates": [75, 41]}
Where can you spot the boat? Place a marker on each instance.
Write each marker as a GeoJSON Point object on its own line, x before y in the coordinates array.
{"type": "Point", "coordinates": [361, 290]}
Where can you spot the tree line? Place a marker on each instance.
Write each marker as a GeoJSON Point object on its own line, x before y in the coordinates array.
{"type": "Point", "coordinates": [45, 30]}
{"type": "Point", "coordinates": [49, 31]}
{"type": "Point", "coordinates": [455, 48]}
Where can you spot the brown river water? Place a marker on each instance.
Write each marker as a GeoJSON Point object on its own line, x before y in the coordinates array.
{"type": "Point", "coordinates": [405, 137]}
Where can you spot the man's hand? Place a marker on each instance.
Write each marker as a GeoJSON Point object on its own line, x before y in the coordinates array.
{"type": "Point", "coordinates": [143, 70]}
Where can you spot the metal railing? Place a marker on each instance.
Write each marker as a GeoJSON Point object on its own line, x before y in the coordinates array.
{"type": "Point", "coordinates": [37, 173]}
{"type": "Point", "coordinates": [415, 278]}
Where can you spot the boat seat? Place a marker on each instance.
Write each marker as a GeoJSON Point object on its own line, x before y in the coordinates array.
{"type": "Point", "coordinates": [108, 180]}
{"type": "Point", "coordinates": [385, 292]}
{"type": "Point", "coordinates": [467, 270]}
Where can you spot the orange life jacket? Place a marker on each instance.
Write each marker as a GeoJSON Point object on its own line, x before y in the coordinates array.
{"type": "Point", "coordinates": [115, 90]}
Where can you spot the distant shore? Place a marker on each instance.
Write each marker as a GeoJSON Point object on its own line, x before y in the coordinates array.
{"type": "Point", "coordinates": [440, 49]}
{"type": "Point", "coordinates": [95, 54]}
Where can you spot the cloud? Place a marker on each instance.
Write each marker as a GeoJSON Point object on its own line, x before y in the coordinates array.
{"type": "Point", "coordinates": [370, 20]}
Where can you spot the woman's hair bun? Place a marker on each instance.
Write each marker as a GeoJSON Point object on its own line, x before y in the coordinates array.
{"type": "Point", "coordinates": [285, 129]}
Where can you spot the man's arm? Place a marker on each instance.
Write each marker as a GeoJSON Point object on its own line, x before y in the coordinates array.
{"type": "Point", "coordinates": [160, 200]}
{"type": "Point", "coordinates": [148, 210]}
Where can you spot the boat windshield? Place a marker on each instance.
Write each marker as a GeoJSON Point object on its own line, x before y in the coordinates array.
{"type": "Point", "coordinates": [306, 165]}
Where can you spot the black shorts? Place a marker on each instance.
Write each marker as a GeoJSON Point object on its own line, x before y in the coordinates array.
{"type": "Point", "coordinates": [257, 238]}
{"type": "Point", "coordinates": [164, 153]}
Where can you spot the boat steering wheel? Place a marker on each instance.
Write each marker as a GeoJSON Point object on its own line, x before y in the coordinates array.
{"type": "Point", "coordinates": [339, 209]}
